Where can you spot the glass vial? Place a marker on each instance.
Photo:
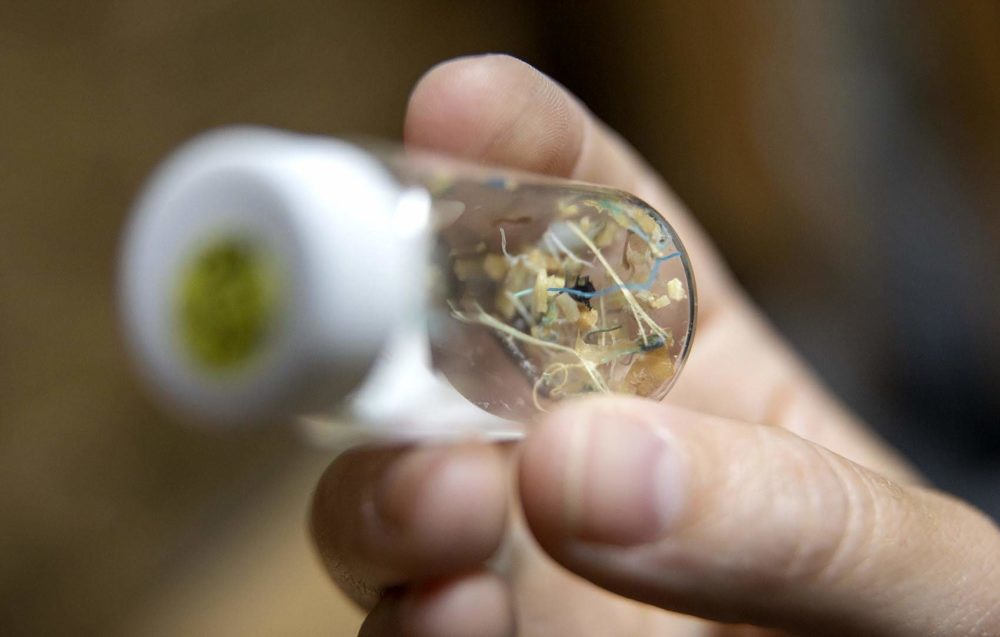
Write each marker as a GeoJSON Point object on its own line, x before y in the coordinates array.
{"type": "Point", "coordinates": [384, 292]}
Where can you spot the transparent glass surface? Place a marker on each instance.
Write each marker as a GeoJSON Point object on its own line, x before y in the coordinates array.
{"type": "Point", "coordinates": [544, 289]}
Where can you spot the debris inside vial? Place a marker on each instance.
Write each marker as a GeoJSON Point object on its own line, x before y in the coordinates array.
{"type": "Point", "coordinates": [585, 308]}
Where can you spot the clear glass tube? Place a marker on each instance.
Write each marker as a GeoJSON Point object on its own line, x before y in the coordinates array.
{"type": "Point", "coordinates": [394, 293]}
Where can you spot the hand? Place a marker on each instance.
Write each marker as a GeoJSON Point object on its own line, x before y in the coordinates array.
{"type": "Point", "coordinates": [749, 497]}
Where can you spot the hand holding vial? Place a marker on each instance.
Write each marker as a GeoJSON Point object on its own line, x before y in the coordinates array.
{"type": "Point", "coordinates": [747, 496]}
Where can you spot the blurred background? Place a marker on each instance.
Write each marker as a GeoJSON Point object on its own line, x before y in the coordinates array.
{"type": "Point", "coordinates": [844, 154]}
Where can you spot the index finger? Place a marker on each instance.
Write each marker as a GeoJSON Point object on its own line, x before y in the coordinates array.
{"type": "Point", "coordinates": [497, 109]}
{"type": "Point", "coordinates": [500, 110]}
{"type": "Point", "coordinates": [386, 517]}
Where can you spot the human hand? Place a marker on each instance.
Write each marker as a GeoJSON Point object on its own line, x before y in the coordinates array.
{"type": "Point", "coordinates": [749, 496]}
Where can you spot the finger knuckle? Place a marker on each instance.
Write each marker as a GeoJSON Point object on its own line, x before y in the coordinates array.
{"type": "Point", "coordinates": [845, 519]}
{"type": "Point", "coordinates": [822, 515]}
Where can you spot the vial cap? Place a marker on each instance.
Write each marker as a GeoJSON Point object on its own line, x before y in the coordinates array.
{"type": "Point", "coordinates": [262, 272]}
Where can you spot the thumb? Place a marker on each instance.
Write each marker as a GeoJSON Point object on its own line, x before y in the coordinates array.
{"type": "Point", "coordinates": [749, 524]}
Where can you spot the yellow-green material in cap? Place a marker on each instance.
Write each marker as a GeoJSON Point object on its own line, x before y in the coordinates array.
{"type": "Point", "coordinates": [227, 303]}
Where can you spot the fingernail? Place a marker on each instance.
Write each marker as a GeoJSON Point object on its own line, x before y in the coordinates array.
{"type": "Point", "coordinates": [396, 491]}
{"type": "Point", "coordinates": [624, 479]}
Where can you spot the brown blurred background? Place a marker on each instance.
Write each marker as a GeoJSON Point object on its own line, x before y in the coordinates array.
{"type": "Point", "coordinates": [845, 155]}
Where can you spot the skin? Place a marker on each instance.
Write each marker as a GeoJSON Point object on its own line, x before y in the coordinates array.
{"type": "Point", "coordinates": [750, 502]}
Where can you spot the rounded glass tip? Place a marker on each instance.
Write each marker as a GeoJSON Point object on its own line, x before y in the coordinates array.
{"type": "Point", "coordinates": [597, 297]}
{"type": "Point", "coordinates": [227, 302]}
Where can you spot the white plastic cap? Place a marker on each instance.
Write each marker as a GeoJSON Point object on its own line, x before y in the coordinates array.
{"type": "Point", "coordinates": [263, 272]}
